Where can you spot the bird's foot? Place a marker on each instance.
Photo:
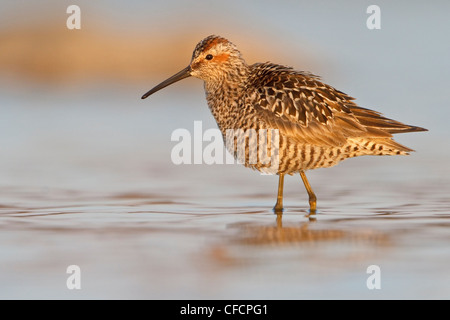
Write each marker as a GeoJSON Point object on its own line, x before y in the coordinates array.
{"type": "Point", "coordinates": [278, 209]}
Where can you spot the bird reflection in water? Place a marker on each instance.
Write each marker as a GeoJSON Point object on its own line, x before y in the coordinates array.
{"type": "Point", "coordinates": [306, 232]}
{"type": "Point", "coordinates": [291, 233]}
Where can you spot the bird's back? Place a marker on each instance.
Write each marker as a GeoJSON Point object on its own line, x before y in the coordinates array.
{"type": "Point", "coordinates": [319, 126]}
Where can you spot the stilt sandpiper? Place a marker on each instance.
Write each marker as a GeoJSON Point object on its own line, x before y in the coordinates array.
{"type": "Point", "coordinates": [318, 125]}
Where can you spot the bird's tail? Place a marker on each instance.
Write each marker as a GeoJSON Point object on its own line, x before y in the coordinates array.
{"type": "Point", "coordinates": [374, 120]}
{"type": "Point", "coordinates": [379, 147]}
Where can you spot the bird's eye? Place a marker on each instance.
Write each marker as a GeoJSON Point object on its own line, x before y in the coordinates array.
{"type": "Point", "coordinates": [209, 57]}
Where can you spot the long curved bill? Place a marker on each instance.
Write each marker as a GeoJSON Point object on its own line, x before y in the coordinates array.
{"type": "Point", "coordinates": [186, 72]}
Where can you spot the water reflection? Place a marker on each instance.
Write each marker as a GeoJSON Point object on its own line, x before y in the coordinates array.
{"type": "Point", "coordinates": [309, 231]}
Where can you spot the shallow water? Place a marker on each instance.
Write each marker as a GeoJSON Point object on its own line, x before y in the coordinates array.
{"type": "Point", "coordinates": [90, 182]}
{"type": "Point", "coordinates": [86, 176]}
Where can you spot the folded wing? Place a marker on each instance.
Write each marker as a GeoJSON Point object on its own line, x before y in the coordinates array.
{"type": "Point", "coordinates": [306, 109]}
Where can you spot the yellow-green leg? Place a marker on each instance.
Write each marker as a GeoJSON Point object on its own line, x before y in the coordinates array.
{"type": "Point", "coordinates": [279, 205]}
{"type": "Point", "coordinates": [312, 196]}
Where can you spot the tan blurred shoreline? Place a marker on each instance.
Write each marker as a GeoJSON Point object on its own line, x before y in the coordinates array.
{"type": "Point", "coordinates": [52, 53]}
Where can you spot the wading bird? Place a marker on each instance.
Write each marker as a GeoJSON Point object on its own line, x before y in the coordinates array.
{"type": "Point", "coordinates": [318, 126]}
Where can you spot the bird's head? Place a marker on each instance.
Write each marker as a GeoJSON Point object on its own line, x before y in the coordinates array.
{"type": "Point", "coordinates": [214, 59]}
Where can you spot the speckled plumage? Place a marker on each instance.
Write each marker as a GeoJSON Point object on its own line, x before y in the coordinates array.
{"type": "Point", "coordinates": [318, 125]}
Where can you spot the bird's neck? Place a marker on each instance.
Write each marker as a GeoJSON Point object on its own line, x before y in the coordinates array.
{"type": "Point", "coordinates": [224, 94]}
{"type": "Point", "coordinates": [228, 83]}
{"type": "Point", "coordinates": [229, 80]}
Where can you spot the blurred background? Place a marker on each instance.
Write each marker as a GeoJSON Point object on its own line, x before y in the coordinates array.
{"type": "Point", "coordinates": [85, 170]}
